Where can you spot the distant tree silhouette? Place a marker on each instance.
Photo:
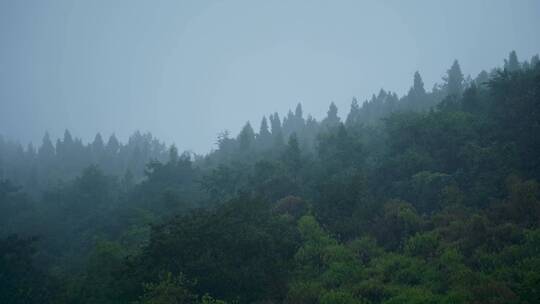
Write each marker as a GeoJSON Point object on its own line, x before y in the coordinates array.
{"type": "Point", "coordinates": [332, 119]}
{"type": "Point", "coordinates": [454, 80]}
{"type": "Point", "coordinates": [246, 137]}
{"type": "Point", "coordinates": [512, 63]}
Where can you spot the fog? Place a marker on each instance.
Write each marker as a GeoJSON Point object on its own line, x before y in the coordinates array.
{"type": "Point", "coordinates": [187, 70]}
{"type": "Point", "coordinates": [293, 152]}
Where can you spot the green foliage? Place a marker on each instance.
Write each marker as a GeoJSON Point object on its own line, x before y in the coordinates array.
{"type": "Point", "coordinates": [339, 297]}
{"type": "Point", "coordinates": [423, 245]}
{"type": "Point", "coordinates": [238, 250]}
{"type": "Point", "coordinates": [169, 290]}
{"type": "Point", "coordinates": [428, 198]}
{"type": "Point", "coordinates": [398, 221]}
{"type": "Point", "coordinates": [21, 282]}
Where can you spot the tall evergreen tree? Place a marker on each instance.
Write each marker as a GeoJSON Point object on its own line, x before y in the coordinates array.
{"type": "Point", "coordinates": [246, 137]}
{"type": "Point", "coordinates": [288, 124]}
{"type": "Point", "coordinates": [482, 79]}
{"type": "Point", "coordinates": [332, 119]}
{"type": "Point", "coordinates": [353, 118]}
{"type": "Point", "coordinates": [98, 147]}
{"type": "Point", "coordinates": [454, 80]}
{"type": "Point", "coordinates": [512, 63]}
{"type": "Point", "coordinates": [30, 152]}
{"type": "Point", "coordinates": [173, 155]}
{"type": "Point", "coordinates": [113, 146]}
{"type": "Point", "coordinates": [277, 132]}
{"type": "Point", "coordinates": [535, 60]}
{"type": "Point", "coordinates": [417, 94]}
{"type": "Point", "coordinates": [418, 84]}
{"type": "Point", "coordinates": [298, 111]}
{"type": "Point", "coordinates": [68, 139]}
{"type": "Point", "coordinates": [291, 155]}
{"type": "Point", "coordinates": [299, 122]}
{"type": "Point", "coordinates": [264, 136]}
{"type": "Point", "coordinates": [46, 150]}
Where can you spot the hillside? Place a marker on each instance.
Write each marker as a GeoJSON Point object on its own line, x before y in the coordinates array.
{"type": "Point", "coordinates": [431, 197]}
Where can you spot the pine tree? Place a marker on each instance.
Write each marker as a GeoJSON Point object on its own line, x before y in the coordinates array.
{"type": "Point", "coordinates": [113, 146]}
{"type": "Point", "coordinates": [535, 60]}
{"type": "Point", "coordinates": [173, 155]}
{"type": "Point", "coordinates": [226, 144]}
{"type": "Point", "coordinates": [277, 132]}
{"type": "Point", "coordinates": [512, 64]}
{"type": "Point", "coordinates": [68, 139]}
{"type": "Point", "coordinates": [65, 146]}
{"type": "Point", "coordinates": [299, 123]}
{"type": "Point", "coordinates": [454, 80]}
{"type": "Point", "coordinates": [417, 94]}
{"type": "Point", "coordinates": [332, 119]}
{"type": "Point", "coordinates": [98, 146]}
{"type": "Point", "coordinates": [353, 118]}
{"type": "Point", "coordinates": [264, 136]}
{"type": "Point", "coordinates": [46, 150]}
{"type": "Point", "coordinates": [482, 79]}
{"type": "Point", "coordinates": [418, 84]}
{"type": "Point", "coordinates": [246, 137]}
{"type": "Point", "coordinates": [298, 111]}
{"type": "Point", "coordinates": [288, 124]}
{"type": "Point", "coordinates": [30, 152]}
{"type": "Point", "coordinates": [291, 155]}
{"type": "Point", "coordinates": [470, 101]}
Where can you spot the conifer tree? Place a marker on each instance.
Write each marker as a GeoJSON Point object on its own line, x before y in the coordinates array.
{"type": "Point", "coordinates": [291, 155]}
{"type": "Point", "coordinates": [288, 123]}
{"type": "Point", "coordinates": [535, 60]}
{"type": "Point", "coordinates": [418, 84]}
{"type": "Point", "coordinates": [454, 80]}
{"type": "Point", "coordinates": [246, 137]}
{"type": "Point", "coordinates": [277, 132]}
{"type": "Point", "coordinates": [46, 150]}
{"type": "Point", "coordinates": [353, 118]}
{"type": "Point", "coordinates": [299, 122]}
{"type": "Point", "coordinates": [332, 118]}
{"type": "Point", "coordinates": [482, 79]}
{"type": "Point", "coordinates": [113, 146]}
{"type": "Point", "coordinates": [264, 136]}
{"type": "Point", "coordinates": [512, 63]}
{"type": "Point", "coordinates": [98, 146]}
{"type": "Point", "coordinates": [417, 93]}
{"type": "Point", "coordinates": [173, 155]}
{"type": "Point", "coordinates": [298, 111]}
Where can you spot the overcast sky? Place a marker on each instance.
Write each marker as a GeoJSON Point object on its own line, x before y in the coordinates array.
{"type": "Point", "coordinates": [186, 70]}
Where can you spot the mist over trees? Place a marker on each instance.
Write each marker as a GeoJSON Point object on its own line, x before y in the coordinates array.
{"type": "Point", "coordinates": [431, 197]}
{"type": "Point", "coordinates": [36, 168]}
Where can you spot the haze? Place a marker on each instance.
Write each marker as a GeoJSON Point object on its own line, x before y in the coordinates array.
{"type": "Point", "coordinates": [187, 70]}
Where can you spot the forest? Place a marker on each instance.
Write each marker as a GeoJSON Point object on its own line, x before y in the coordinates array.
{"type": "Point", "coordinates": [430, 197]}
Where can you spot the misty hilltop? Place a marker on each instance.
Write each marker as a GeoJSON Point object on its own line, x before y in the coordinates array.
{"type": "Point", "coordinates": [429, 197]}
{"type": "Point", "coordinates": [178, 66]}
{"type": "Point", "coordinates": [212, 152]}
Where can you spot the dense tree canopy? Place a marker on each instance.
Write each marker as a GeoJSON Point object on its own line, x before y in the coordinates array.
{"type": "Point", "coordinates": [433, 197]}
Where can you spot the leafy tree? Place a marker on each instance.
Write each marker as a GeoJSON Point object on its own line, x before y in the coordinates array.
{"type": "Point", "coordinates": [237, 251]}
{"type": "Point", "coordinates": [169, 290]}
{"type": "Point", "coordinates": [20, 280]}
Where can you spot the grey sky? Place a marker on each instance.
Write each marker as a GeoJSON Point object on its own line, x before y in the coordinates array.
{"type": "Point", "coordinates": [186, 70]}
